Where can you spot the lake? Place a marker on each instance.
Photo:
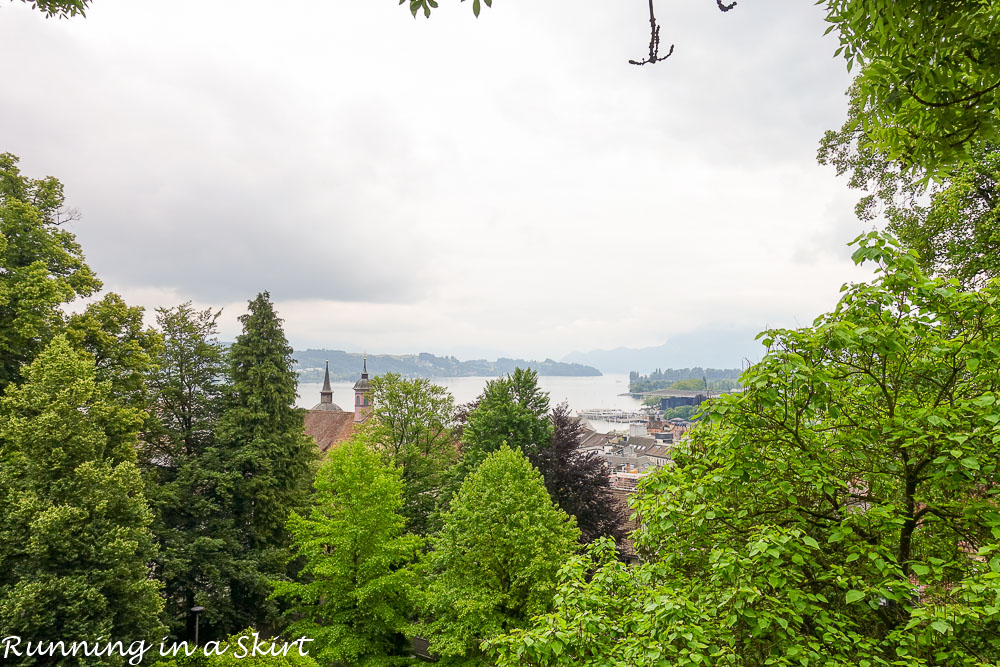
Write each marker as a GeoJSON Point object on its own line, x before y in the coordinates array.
{"type": "Point", "coordinates": [580, 393]}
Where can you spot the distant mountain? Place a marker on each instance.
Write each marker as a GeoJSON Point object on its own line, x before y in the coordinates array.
{"type": "Point", "coordinates": [347, 366]}
{"type": "Point", "coordinates": [716, 348]}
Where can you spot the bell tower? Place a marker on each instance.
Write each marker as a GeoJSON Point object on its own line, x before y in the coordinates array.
{"type": "Point", "coordinates": [361, 405]}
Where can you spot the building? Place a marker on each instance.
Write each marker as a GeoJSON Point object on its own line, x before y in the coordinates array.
{"type": "Point", "coordinates": [329, 424]}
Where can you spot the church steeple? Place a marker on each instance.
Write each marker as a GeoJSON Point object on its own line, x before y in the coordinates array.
{"type": "Point", "coordinates": [361, 405]}
{"type": "Point", "coordinates": [326, 394]}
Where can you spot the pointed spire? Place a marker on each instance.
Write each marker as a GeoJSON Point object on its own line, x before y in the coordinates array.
{"type": "Point", "coordinates": [326, 395]}
{"type": "Point", "coordinates": [364, 369]}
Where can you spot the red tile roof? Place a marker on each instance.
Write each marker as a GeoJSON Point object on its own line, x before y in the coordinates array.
{"type": "Point", "coordinates": [329, 427]}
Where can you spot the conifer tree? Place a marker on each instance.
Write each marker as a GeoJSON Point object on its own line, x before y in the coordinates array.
{"type": "Point", "coordinates": [274, 459]}
{"type": "Point", "coordinates": [74, 525]}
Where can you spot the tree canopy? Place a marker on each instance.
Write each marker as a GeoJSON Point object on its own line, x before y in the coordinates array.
{"type": "Point", "coordinates": [76, 544]}
{"type": "Point", "coordinates": [42, 266]}
{"type": "Point", "coordinates": [494, 563]}
{"type": "Point", "coordinates": [410, 424]}
{"type": "Point", "coordinates": [354, 594]}
{"type": "Point", "coordinates": [843, 508]}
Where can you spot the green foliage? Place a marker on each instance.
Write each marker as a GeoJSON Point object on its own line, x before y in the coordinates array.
{"type": "Point", "coordinates": [74, 525]}
{"type": "Point", "coordinates": [682, 411]}
{"type": "Point", "coordinates": [843, 510]}
{"type": "Point", "coordinates": [410, 424]}
{"type": "Point", "coordinates": [691, 384]}
{"type": "Point", "coordinates": [494, 563]}
{"type": "Point", "coordinates": [513, 411]}
{"type": "Point", "coordinates": [425, 6]}
{"type": "Point", "coordinates": [60, 8]}
{"type": "Point", "coordinates": [354, 592]}
{"type": "Point", "coordinates": [123, 348]}
{"type": "Point", "coordinates": [238, 651]}
{"type": "Point", "coordinates": [716, 379]}
{"type": "Point", "coordinates": [41, 267]}
{"type": "Point", "coordinates": [578, 483]}
{"type": "Point", "coordinates": [190, 480]}
{"type": "Point", "coordinates": [953, 223]}
{"type": "Point", "coordinates": [262, 434]}
{"type": "Point", "coordinates": [929, 79]}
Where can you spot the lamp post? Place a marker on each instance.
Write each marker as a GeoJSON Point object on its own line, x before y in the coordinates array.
{"type": "Point", "coordinates": [197, 611]}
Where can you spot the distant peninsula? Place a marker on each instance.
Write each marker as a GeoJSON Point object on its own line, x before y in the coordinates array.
{"type": "Point", "coordinates": [347, 366]}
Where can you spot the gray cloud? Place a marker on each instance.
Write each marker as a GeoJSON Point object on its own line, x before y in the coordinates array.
{"type": "Point", "coordinates": [508, 183]}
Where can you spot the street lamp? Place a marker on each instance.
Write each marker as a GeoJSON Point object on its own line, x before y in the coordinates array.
{"type": "Point", "coordinates": [196, 610]}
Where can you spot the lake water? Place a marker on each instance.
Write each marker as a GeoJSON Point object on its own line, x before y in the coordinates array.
{"type": "Point", "coordinates": [581, 393]}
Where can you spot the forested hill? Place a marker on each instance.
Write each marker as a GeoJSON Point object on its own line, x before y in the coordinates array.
{"type": "Point", "coordinates": [347, 366]}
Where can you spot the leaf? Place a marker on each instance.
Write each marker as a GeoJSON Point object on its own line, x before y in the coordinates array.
{"type": "Point", "coordinates": [475, 7]}
{"type": "Point", "coordinates": [854, 596]}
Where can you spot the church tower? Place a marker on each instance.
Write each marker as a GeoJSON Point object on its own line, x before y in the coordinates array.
{"type": "Point", "coordinates": [361, 405]}
{"type": "Point", "coordinates": [326, 394]}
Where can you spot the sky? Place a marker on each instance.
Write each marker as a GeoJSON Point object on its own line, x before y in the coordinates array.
{"type": "Point", "coordinates": [507, 185]}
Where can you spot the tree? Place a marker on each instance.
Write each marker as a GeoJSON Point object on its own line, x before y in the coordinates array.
{"type": "Point", "coordinates": [41, 267]}
{"type": "Point", "coordinates": [60, 8]}
{"type": "Point", "coordinates": [355, 592]}
{"type": "Point", "coordinates": [512, 410]}
{"type": "Point", "coordinates": [929, 83]}
{"type": "Point", "coordinates": [842, 510]}
{"type": "Point", "coordinates": [952, 223]}
{"type": "Point", "coordinates": [263, 434]}
{"type": "Point", "coordinates": [410, 425]}
{"type": "Point", "coordinates": [190, 480]}
{"type": "Point", "coordinates": [74, 526]}
{"type": "Point", "coordinates": [578, 483]}
{"type": "Point", "coordinates": [123, 348]}
{"type": "Point", "coordinates": [691, 384]}
{"type": "Point", "coordinates": [494, 563]}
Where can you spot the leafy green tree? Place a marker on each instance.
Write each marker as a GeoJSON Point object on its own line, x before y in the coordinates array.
{"type": "Point", "coordinates": [953, 222]}
{"type": "Point", "coordinates": [493, 565]}
{"type": "Point", "coordinates": [190, 481]}
{"type": "Point", "coordinates": [263, 435]}
{"type": "Point", "coordinates": [124, 349]}
{"type": "Point", "coordinates": [929, 80]}
{"type": "Point", "coordinates": [691, 384]}
{"type": "Point", "coordinates": [512, 410]}
{"type": "Point", "coordinates": [355, 592]}
{"type": "Point", "coordinates": [578, 483]}
{"type": "Point", "coordinates": [41, 267]}
{"type": "Point", "coordinates": [410, 424]}
{"type": "Point", "coordinates": [60, 8]}
{"type": "Point", "coordinates": [74, 526]}
{"type": "Point", "coordinates": [842, 510]}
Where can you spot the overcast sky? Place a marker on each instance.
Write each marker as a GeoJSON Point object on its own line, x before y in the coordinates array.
{"type": "Point", "coordinates": [508, 185]}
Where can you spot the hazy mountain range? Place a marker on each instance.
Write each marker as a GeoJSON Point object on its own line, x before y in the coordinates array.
{"type": "Point", "coordinates": [708, 349]}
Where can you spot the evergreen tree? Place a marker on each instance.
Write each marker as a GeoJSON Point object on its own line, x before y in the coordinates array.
{"type": "Point", "coordinates": [74, 525]}
{"type": "Point", "coordinates": [354, 593]}
{"type": "Point", "coordinates": [578, 483]}
{"type": "Point", "coordinates": [494, 563]}
{"type": "Point", "coordinates": [275, 460]}
{"type": "Point", "coordinates": [190, 480]}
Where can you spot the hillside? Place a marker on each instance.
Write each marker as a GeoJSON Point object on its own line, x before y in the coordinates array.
{"type": "Point", "coordinates": [347, 366]}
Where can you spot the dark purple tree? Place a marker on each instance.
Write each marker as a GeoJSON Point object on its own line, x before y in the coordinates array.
{"type": "Point", "coordinates": [577, 482]}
